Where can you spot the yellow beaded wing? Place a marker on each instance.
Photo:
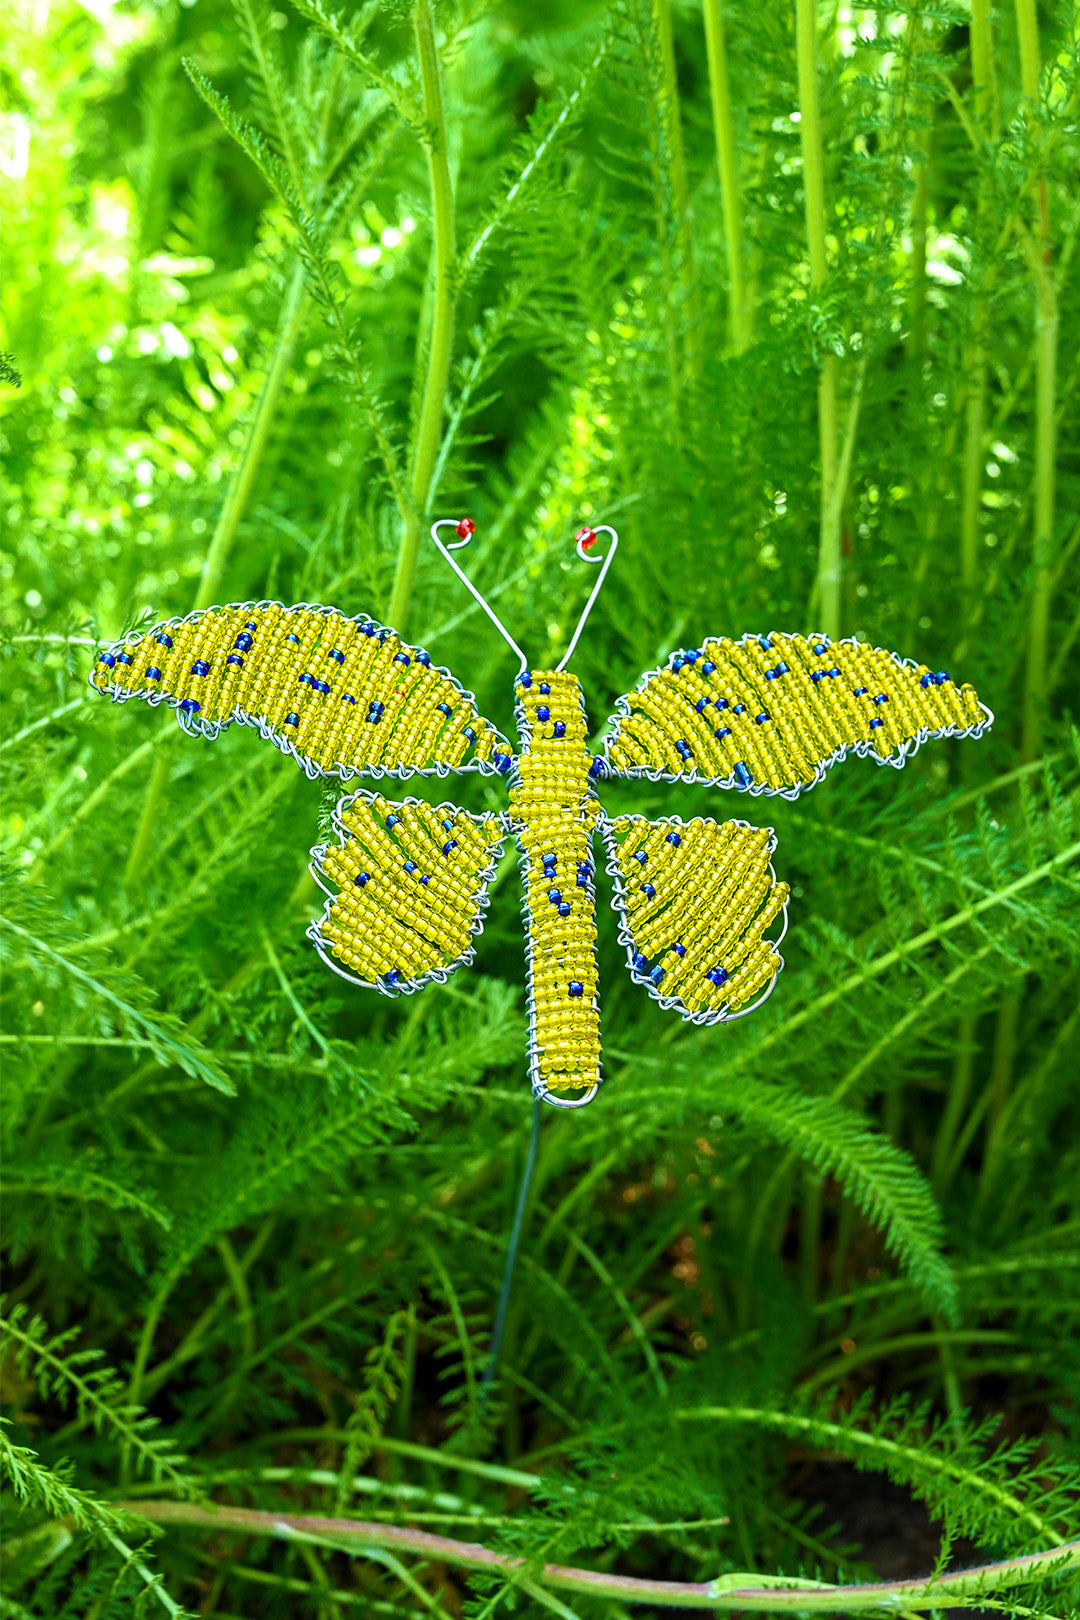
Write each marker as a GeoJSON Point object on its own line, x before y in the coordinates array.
{"type": "Point", "coordinates": [771, 714]}
{"type": "Point", "coordinates": [340, 695]}
{"type": "Point", "coordinates": [695, 901]}
{"type": "Point", "coordinates": [408, 889]}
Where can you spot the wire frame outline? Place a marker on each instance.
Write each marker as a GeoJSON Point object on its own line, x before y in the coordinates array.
{"type": "Point", "coordinates": [864, 749]}
{"type": "Point", "coordinates": [211, 729]}
{"type": "Point", "coordinates": [480, 899]}
{"type": "Point", "coordinates": [620, 906]}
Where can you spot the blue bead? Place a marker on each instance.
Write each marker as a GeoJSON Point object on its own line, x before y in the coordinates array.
{"type": "Point", "coordinates": [525, 679]}
{"type": "Point", "coordinates": [449, 824]}
{"type": "Point", "coordinates": [321, 686]}
{"type": "Point", "coordinates": [721, 703]}
{"type": "Point", "coordinates": [108, 659]}
{"type": "Point", "coordinates": [575, 987]}
{"type": "Point", "coordinates": [291, 637]}
{"type": "Point", "coordinates": [375, 713]}
{"type": "Point", "coordinates": [251, 625]}
{"type": "Point", "coordinates": [677, 663]}
{"type": "Point", "coordinates": [367, 629]}
{"type": "Point", "coordinates": [701, 704]}
{"type": "Point", "coordinates": [859, 691]}
{"type": "Point", "coordinates": [189, 706]}
{"type": "Point", "coordinates": [583, 876]}
{"type": "Point", "coordinates": [424, 659]}
{"type": "Point", "coordinates": [543, 712]}
{"type": "Point", "coordinates": [941, 676]}
{"type": "Point", "coordinates": [771, 674]}
{"type": "Point", "coordinates": [447, 847]}
{"type": "Point", "coordinates": [305, 679]}
{"type": "Point", "coordinates": [718, 975]}
{"type": "Point", "coordinates": [402, 658]}
{"type": "Point", "coordinates": [817, 674]}
{"type": "Point", "coordinates": [425, 880]}
{"type": "Point", "coordinates": [469, 733]}
{"type": "Point", "coordinates": [760, 719]}
{"type": "Point", "coordinates": [782, 669]}
{"type": "Point", "coordinates": [656, 975]}
{"type": "Point", "coordinates": [410, 866]}
{"type": "Point", "coordinates": [565, 909]}
{"type": "Point", "coordinates": [691, 655]}
{"type": "Point", "coordinates": [444, 708]}
{"type": "Point", "coordinates": [740, 708]}
{"type": "Point", "coordinates": [234, 658]}
{"type": "Point", "coordinates": [337, 655]}
{"type": "Point", "coordinates": [641, 963]}
{"type": "Point", "coordinates": [292, 719]}
{"type": "Point", "coordinates": [503, 763]}
{"type": "Point", "coordinates": [153, 674]}
{"type": "Point", "coordinates": [163, 640]}
{"type": "Point", "coordinates": [679, 949]}
{"type": "Point", "coordinates": [362, 879]}
{"type": "Point", "coordinates": [544, 688]}
{"type": "Point", "coordinates": [766, 643]}
{"type": "Point", "coordinates": [927, 680]}
{"type": "Point", "coordinates": [554, 896]}
{"type": "Point", "coordinates": [834, 673]}
{"type": "Point", "coordinates": [881, 698]}
{"type": "Point", "coordinates": [742, 774]}
{"type": "Point", "coordinates": [560, 729]}
{"type": "Point", "coordinates": [244, 642]}
{"type": "Point", "coordinates": [874, 724]}
{"type": "Point", "coordinates": [597, 768]}
{"type": "Point", "coordinates": [550, 859]}
{"type": "Point", "coordinates": [820, 648]}
{"type": "Point", "coordinates": [683, 747]}
{"type": "Point", "coordinates": [648, 891]}
{"type": "Point", "coordinates": [393, 821]}
{"type": "Point", "coordinates": [722, 732]}
{"type": "Point", "coordinates": [126, 658]}
{"type": "Point", "coordinates": [674, 838]}
{"type": "Point", "coordinates": [641, 857]}
{"type": "Point", "coordinates": [708, 667]}
{"type": "Point", "coordinates": [199, 667]}
{"type": "Point", "coordinates": [347, 697]}
{"type": "Point", "coordinates": [393, 977]}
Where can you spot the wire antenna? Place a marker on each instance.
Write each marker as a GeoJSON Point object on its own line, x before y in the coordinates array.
{"type": "Point", "coordinates": [586, 539]}
{"type": "Point", "coordinates": [465, 528]}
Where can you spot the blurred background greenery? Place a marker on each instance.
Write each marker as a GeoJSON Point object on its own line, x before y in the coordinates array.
{"type": "Point", "coordinates": [787, 293]}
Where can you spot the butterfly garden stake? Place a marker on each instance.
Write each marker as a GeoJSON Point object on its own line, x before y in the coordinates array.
{"type": "Point", "coordinates": [701, 912]}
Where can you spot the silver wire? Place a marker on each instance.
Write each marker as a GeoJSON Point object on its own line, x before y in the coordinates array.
{"type": "Point", "coordinates": [442, 523]}
{"type": "Point", "coordinates": [605, 528]}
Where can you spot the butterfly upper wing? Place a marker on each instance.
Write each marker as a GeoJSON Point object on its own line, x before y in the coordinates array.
{"type": "Point", "coordinates": [342, 695]}
{"type": "Point", "coordinates": [770, 714]}
{"type": "Point", "coordinates": [408, 890]}
{"type": "Point", "coordinates": [695, 902]}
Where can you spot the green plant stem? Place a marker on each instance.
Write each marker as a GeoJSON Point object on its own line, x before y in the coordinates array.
{"type": "Point", "coordinates": [441, 336]}
{"type": "Point", "coordinates": [680, 187]}
{"type": "Point", "coordinates": [740, 313]}
{"type": "Point", "coordinates": [293, 312]}
{"type": "Point", "coordinates": [730, 1592]}
{"type": "Point", "coordinates": [829, 555]}
{"type": "Point", "coordinates": [1038, 249]}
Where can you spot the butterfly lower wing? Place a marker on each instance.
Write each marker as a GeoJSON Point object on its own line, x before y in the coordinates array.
{"type": "Point", "coordinates": [407, 886]}
{"type": "Point", "coordinates": [770, 714]}
{"type": "Point", "coordinates": [695, 902]}
{"type": "Point", "coordinates": [341, 695]}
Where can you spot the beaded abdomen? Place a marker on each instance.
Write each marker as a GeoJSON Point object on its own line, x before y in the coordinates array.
{"type": "Point", "coordinates": [553, 814]}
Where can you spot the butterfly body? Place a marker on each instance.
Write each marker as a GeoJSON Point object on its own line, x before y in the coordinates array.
{"type": "Point", "coordinates": [700, 909]}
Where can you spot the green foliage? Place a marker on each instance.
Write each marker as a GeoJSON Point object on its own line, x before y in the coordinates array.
{"type": "Point", "coordinates": [255, 1218]}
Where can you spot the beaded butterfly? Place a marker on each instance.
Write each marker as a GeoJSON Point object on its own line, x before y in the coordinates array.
{"type": "Point", "coordinates": [407, 881]}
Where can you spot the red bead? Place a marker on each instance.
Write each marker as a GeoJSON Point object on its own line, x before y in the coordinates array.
{"type": "Point", "coordinates": [586, 538]}
{"type": "Point", "coordinates": [465, 529]}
